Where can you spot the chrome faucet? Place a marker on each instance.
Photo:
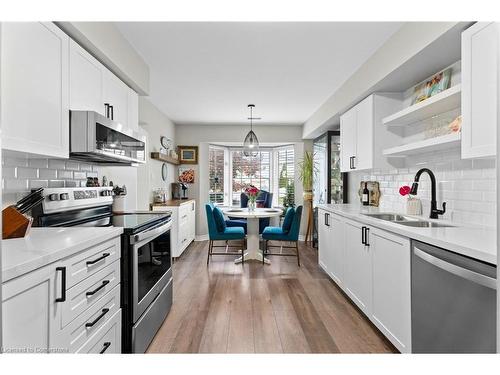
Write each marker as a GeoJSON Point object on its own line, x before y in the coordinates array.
{"type": "Point", "coordinates": [434, 210]}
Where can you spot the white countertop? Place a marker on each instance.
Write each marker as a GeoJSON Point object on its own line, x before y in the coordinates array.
{"type": "Point", "coordinates": [47, 245]}
{"type": "Point", "coordinates": [473, 241]}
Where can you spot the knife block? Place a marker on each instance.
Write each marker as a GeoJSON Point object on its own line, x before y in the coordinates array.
{"type": "Point", "coordinates": [14, 223]}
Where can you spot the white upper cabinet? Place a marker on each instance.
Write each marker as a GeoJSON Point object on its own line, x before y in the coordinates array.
{"type": "Point", "coordinates": [356, 128]}
{"type": "Point", "coordinates": [92, 86]}
{"type": "Point", "coordinates": [116, 93]}
{"type": "Point", "coordinates": [35, 89]}
{"type": "Point", "coordinates": [86, 81]}
{"type": "Point", "coordinates": [362, 137]}
{"type": "Point", "coordinates": [479, 90]}
{"type": "Point", "coordinates": [348, 132]}
{"type": "Point", "coordinates": [364, 140]}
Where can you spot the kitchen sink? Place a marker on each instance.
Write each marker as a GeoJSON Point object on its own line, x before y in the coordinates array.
{"type": "Point", "coordinates": [422, 224]}
{"type": "Point", "coordinates": [407, 220]}
{"type": "Point", "coordinates": [389, 217]}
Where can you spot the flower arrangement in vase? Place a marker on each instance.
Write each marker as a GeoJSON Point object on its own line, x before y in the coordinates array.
{"type": "Point", "coordinates": [413, 205]}
{"type": "Point", "coordinates": [252, 193]}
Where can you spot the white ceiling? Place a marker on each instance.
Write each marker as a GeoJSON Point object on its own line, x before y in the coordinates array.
{"type": "Point", "coordinates": [207, 72]}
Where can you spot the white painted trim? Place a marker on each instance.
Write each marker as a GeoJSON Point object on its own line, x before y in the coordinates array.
{"type": "Point", "coordinates": [201, 237]}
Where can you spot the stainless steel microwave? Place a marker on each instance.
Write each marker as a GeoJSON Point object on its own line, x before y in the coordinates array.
{"type": "Point", "coordinates": [97, 139]}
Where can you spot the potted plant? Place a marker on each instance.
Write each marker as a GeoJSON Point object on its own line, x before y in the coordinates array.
{"type": "Point", "coordinates": [307, 172]}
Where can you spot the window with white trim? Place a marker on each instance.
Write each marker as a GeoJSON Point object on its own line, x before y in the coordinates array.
{"type": "Point", "coordinates": [230, 172]}
{"type": "Point", "coordinates": [285, 161]}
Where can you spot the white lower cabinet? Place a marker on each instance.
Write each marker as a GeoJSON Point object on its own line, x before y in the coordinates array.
{"type": "Point", "coordinates": [358, 267]}
{"type": "Point", "coordinates": [331, 254]}
{"type": "Point", "coordinates": [391, 307]}
{"type": "Point", "coordinates": [44, 312]}
{"type": "Point", "coordinates": [183, 224]}
{"type": "Point", "coordinates": [372, 266]}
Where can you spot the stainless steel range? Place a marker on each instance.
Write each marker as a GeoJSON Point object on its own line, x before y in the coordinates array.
{"type": "Point", "coordinates": [146, 263]}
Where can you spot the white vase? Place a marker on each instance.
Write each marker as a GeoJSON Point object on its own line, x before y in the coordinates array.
{"type": "Point", "coordinates": [251, 206]}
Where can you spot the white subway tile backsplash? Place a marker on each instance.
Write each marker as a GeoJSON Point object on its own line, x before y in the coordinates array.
{"type": "Point", "coordinates": [14, 162]}
{"type": "Point", "coordinates": [62, 174]}
{"type": "Point", "coordinates": [38, 163]}
{"type": "Point", "coordinates": [56, 183]}
{"type": "Point", "coordinates": [35, 184]}
{"type": "Point", "coordinates": [467, 186]}
{"type": "Point", "coordinates": [79, 175]}
{"type": "Point", "coordinates": [19, 175]}
{"type": "Point", "coordinates": [15, 185]}
{"type": "Point", "coordinates": [72, 166]}
{"type": "Point", "coordinates": [57, 164]}
{"type": "Point", "coordinates": [9, 172]}
{"type": "Point", "coordinates": [49, 174]}
{"type": "Point", "coordinates": [23, 172]}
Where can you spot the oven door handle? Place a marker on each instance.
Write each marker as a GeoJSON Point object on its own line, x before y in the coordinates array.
{"type": "Point", "coordinates": [464, 273]}
{"type": "Point", "coordinates": [153, 232]}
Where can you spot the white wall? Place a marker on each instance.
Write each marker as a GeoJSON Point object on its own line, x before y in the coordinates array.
{"type": "Point", "coordinates": [203, 135]}
{"type": "Point", "coordinates": [467, 186]}
{"type": "Point", "coordinates": [156, 124]}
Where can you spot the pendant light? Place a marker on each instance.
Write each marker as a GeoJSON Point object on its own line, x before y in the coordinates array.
{"type": "Point", "coordinates": [251, 143]}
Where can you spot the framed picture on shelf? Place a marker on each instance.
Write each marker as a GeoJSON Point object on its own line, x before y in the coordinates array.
{"type": "Point", "coordinates": [186, 175]}
{"type": "Point", "coordinates": [188, 154]}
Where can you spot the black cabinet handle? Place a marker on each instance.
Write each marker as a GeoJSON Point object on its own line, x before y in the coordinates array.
{"type": "Point", "coordinates": [327, 221]}
{"type": "Point", "coordinates": [353, 158]}
{"type": "Point", "coordinates": [105, 347]}
{"type": "Point", "coordinates": [366, 236]}
{"type": "Point", "coordinates": [104, 283]}
{"type": "Point", "coordinates": [92, 323]}
{"type": "Point", "coordinates": [91, 262]}
{"type": "Point", "coordinates": [350, 162]}
{"type": "Point", "coordinates": [106, 110]}
{"type": "Point", "coordinates": [63, 284]}
{"type": "Point", "coordinates": [112, 112]}
{"type": "Point", "coordinates": [363, 234]}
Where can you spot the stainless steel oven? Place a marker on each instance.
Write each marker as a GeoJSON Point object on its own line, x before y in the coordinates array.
{"type": "Point", "coordinates": [151, 266]}
{"type": "Point", "coordinates": [148, 293]}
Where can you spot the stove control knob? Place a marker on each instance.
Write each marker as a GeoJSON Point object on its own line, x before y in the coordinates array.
{"type": "Point", "coordinates": [64, 196]}
{"type": "Point", "coordinates": [53, 197]}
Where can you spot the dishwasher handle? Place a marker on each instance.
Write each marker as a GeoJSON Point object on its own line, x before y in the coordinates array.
{"type": "Point", "coordinates": [464, 273]}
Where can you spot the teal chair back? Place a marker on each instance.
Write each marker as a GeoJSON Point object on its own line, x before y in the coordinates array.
{"type": "Point", "coordinates": [212, 227]}
{"type": "Point", "coordinates": [293, 233]}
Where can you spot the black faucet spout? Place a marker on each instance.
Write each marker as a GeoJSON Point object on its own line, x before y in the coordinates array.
{"type": "Point", "coordinates": [434, 210]}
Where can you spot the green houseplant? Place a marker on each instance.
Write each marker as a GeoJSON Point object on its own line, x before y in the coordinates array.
{"type": "Point", "coordinates": [307, 172]}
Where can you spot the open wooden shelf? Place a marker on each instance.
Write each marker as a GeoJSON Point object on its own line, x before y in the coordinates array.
{"type": "Point", "coordinates": [435, 105]}
{"type": "Point", "coordinates": [164, 158]}
{"type": "Point", "coordinates": [431, 144]}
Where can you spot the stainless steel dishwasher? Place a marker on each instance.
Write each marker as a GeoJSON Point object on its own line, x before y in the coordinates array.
{"type": "Point", "coordinates": [453, 302]}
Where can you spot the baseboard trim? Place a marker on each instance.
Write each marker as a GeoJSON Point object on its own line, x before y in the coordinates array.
{"type": "Point", "coordinates": [201, 237]}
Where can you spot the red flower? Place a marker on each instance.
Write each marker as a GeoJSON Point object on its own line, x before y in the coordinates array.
{"type": "Point", "coordinates": [404, 190]}
{"type": "Point", "coordinates": [251, 191]}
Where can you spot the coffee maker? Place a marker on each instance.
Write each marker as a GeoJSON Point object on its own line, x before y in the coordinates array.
{"type": "Point", "coordinates": [179, 190]}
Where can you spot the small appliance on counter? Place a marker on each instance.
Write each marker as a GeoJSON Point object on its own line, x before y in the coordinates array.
{"type": "Point", "coordinates": [179, 190]}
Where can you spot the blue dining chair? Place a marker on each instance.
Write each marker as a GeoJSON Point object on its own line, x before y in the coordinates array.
{"type": "Point", "coordinates": [218, 231]}
{"type": "Point", "coordinates": [288, 232]}
{"type": "Point", "coordinates": [265, 199]}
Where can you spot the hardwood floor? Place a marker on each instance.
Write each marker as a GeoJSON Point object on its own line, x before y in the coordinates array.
{"type": "Point", "coordinates": [277, 308]}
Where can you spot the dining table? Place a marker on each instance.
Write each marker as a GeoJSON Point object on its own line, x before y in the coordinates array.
{"type": "Point", "coordinates": [253, 250]}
